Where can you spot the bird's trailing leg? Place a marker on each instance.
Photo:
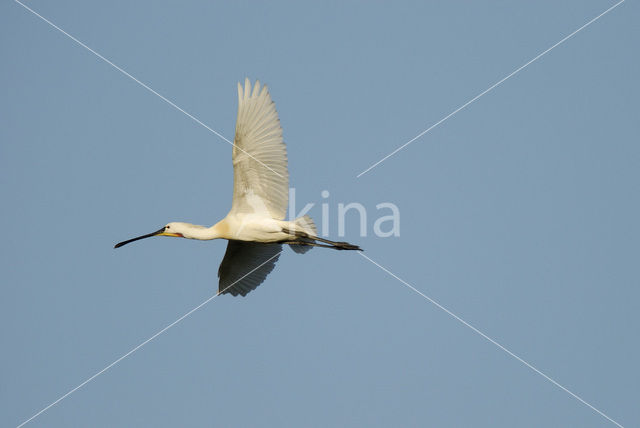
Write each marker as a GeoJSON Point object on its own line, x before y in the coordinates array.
{"type": "Point", "coordinates": [309, 243]}
{"type": "Point", "coordinates": [332, 244]}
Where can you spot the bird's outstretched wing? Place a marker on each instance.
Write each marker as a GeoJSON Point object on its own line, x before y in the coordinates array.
{"type": "Point", "coordinates": [260, 176]}
{"type": "Point", "coordinates": [246, 265]}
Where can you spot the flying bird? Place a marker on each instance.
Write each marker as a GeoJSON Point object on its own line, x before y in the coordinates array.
{"type": "Point", "coordinates": [255, 226]}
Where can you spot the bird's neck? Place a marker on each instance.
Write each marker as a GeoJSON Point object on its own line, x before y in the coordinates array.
{"type": "Point", "coordinates": [218, 230]}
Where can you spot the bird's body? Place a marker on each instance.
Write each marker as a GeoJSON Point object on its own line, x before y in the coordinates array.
{"type": "Point", "coordinates": [255, 226]}
{"type": "Point", "coordinates": [237, 227]}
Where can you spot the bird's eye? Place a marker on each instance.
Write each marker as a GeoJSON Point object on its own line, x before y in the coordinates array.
{"type": "Point", "coordinates": [166, 227]}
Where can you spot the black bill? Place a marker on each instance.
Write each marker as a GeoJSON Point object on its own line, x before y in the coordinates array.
{"type": "Point", "coordinates": [149, 235]}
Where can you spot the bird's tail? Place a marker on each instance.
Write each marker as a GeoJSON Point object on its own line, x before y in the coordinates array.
{"type": "Point", "coordinates": [306, 225]}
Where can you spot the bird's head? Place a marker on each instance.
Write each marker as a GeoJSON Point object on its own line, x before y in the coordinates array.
{"type": "Point", "coordinates": [175, 229]}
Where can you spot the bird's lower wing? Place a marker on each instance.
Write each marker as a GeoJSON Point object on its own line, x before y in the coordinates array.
{"type": "Point", "coordinates": [246, 265]}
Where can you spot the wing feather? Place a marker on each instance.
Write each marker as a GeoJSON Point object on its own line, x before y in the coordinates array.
{"type": "Point", "coordinates": [246, 265]}
{"type": "Point", "coordinates": [259, 155]}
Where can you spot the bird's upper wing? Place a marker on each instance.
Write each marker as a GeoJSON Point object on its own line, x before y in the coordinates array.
{"type": "Point", "coordinates": [246, 265]}
{"type": "Point", "coordinates": [260, 176]}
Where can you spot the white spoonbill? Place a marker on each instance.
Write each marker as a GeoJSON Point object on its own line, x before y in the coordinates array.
{"type": "Point", "coordinates": [255, 227]}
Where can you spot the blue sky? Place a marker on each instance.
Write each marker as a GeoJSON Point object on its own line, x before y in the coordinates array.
{"type": "Point", "coordinates": [518, 214]}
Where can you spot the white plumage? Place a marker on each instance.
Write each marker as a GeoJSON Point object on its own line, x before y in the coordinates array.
{"type": "Point", "coordinates": [255, 225]}
{"type": "Point", "coordinates": [260, 176]}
